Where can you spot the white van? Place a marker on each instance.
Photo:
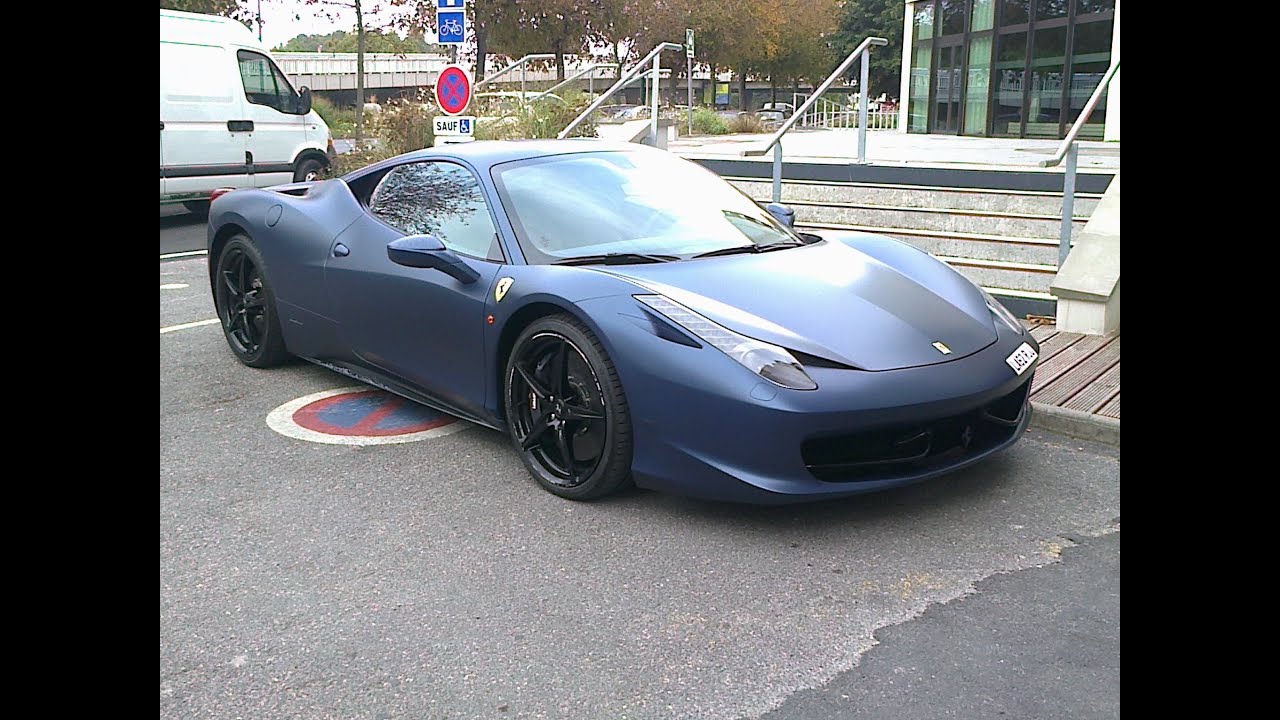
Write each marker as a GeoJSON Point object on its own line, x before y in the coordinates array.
{"type": "Point", "coordinates": [228, 116]}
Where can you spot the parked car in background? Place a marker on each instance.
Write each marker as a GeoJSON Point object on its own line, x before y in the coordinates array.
{"type": "Point", "coordinates": [772, 119]}
{"type": "Point", "coordinates": [228, 116]}
{"type": "Point", "coordinates": [787, 109]}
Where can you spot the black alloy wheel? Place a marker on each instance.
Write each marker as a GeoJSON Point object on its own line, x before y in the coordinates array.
{"type": "Point", "coordinates": [246, 306]}
{"type": "Point", "coordinates": [566, 411]}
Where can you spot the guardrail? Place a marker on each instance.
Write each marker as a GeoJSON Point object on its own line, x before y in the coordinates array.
{"type": "Point", "coordinates": [521, 63]}
{"type": "Point", "coordinates": [1070, 150]}
{"type": "Point", "coordinates": [863, 52]}
{"type": "Point", "coordinates": [590, 79]}
{"type": "Point", "coordinates": [654, 56]}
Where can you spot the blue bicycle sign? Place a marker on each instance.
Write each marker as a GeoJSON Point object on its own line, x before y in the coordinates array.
{"type": "Point", "coordinates": [451, 27]}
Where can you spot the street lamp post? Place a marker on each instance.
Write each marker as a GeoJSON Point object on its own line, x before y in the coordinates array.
{"type": "Point", "coordinates": [259, 20]}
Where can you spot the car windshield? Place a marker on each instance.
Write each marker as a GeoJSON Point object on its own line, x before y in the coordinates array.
{"type": "Point", "coordinates": [622, 202]}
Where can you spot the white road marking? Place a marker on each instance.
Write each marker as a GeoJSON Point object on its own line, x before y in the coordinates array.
{"type": "Point", "coordinates": [189, 253]}
{"type": "Point", "coordinates": [174, 286]}
{"type": "Point", "coordinates": [281, 420]}
{"type": "Point", "coordinates": [185, 326]}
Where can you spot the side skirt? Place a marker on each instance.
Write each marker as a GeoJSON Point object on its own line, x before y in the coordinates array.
{"type": "Point", "coordinates": [391, 386]}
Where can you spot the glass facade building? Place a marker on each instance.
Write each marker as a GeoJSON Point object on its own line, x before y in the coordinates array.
{"type": "Point", "coordinates": [1006, 68]}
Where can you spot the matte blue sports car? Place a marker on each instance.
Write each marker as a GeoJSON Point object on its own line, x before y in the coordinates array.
{"type": "Point", "coordinates": [626, 315]}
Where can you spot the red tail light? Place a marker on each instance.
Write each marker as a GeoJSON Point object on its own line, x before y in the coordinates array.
{"type": "Point", "coordinates": [219, 193]}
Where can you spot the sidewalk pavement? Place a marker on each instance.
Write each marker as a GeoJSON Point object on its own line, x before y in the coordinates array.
{"type": "Point", "coordinates": [1076, 390]}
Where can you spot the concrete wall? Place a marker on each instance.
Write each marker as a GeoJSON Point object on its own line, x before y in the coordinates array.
{"type": "Point", "coordinates": [1088, 283]}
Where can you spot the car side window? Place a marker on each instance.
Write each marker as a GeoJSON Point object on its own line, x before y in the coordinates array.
{"type": "Point", "coordinates": [264, 84]}
{"type": "Point", "coordinates": [440, 199]}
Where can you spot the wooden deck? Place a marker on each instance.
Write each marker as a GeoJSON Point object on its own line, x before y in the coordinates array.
{"type": "Point", "coordinates": [1080, 372]}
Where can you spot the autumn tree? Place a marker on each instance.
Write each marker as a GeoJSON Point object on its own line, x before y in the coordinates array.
{"type": "Point", "coordinates": [804, 43]}
{"type": "Point", "coordinates": [329, 9]}
{"type": "Point", "coordinates": [226, 8]}
{"type": "Point", "coordinates": [860, 19]}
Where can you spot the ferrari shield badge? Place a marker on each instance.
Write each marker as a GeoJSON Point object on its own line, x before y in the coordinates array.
{"type": "Point", "coordinates": [503, 286]}
{"type": "Point", "coordinates": [942, 348]}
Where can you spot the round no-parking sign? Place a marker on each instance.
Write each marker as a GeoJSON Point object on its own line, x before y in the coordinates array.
{"type": "Point", "coordinates": [453, 89]}
{"type": "Point", "coordinates": [360, 416]}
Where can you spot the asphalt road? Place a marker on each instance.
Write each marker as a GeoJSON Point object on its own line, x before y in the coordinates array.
{"type": "Point", "coordinates": [180, 230]}
{"type": "Point", "coordinates": [436, 580]}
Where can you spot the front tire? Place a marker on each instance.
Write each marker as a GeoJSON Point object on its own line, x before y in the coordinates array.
{"type": "Point", "coordinates": [247, 306]}
{"type": "Point", "coordinates": [309, 169]}
{"type": "Point", "coordinates": [566, 411]}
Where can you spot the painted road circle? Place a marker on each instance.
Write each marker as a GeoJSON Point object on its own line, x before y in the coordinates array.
{"type": "Point", "coordinates": [453, 89]}
{"type": "Point", "coordinates": [360, 415]}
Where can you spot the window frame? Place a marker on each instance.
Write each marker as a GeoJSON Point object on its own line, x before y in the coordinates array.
{"type": "Point", "coordinates": [277, 76]}
{"type": "Point", "coordinates": [374, 182]}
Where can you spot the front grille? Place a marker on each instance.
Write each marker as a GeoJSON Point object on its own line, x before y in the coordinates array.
{"type": "Point", "coordinates": [903, 450]}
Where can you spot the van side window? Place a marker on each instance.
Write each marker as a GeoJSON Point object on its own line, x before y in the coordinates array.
{"type": "Point", "coordinates": [440, 199]}
{"type": "Point", "coordinates": [264, 84]}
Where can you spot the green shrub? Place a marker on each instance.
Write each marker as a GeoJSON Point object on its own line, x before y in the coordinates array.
{"type": "Point", "coordinates": [543, 118]}
{"type": "Point", "coordinates": [341, 121]}
{"type": "Point", "coordinates": [707, 122]}
{"type": "Point", "coordinates": [746, 123]}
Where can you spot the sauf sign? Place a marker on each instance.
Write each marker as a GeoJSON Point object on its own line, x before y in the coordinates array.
{"type": "Point", "coordinates": [459, 128]}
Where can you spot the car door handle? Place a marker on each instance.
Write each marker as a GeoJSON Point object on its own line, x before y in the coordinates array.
{"type": "Point", "coordinates": [240, 125]}
{"type": "Point", "coordinates": [161, 124]}
{"type": "Point", "coordinates": [341, 250]}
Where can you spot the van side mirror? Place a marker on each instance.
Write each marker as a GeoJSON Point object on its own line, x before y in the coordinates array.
{"type": "Point", "coordinates": [304, 101]}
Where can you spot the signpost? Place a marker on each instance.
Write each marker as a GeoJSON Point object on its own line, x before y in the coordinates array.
{"type": "Point", "coordinates": [688, 65]}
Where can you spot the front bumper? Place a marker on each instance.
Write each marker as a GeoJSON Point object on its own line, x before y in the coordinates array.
{"type": "Point", "coordinates": [706, 427]}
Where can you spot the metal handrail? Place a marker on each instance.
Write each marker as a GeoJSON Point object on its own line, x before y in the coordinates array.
{"type": "Point", "coordinates": [622, 81]}
{"type": "Point", "coordinates": [589, 69]}
{"type": "Point", "coordinates": [1070, 150]}
{"type": "Point", "coordinates": [862, 51]}
{"type": "Point", "coordinates": [795, 116]}
{"type": "Point", "coordinates": [1084, 116]}
{"type": "Point", "coordinates": [519, 63]}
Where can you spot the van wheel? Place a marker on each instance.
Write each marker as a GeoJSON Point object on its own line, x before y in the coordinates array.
{"type": "Point", "coordinates": [308, 170]}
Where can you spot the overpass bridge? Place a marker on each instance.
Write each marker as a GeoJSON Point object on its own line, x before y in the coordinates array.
{"type": "Point", "coordinates": [388, 75]}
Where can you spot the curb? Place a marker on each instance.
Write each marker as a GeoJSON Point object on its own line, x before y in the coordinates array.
{"type": "Point", "coordinates": [1075, 423]}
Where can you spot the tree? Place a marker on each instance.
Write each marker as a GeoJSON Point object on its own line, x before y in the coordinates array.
{"type": "Point", "coordinates": [343, 42]}
{"type": "Point", "coordinates": [226, 8]}
{"type": "Point", "coordinates": [804, 43]}
{"type": "Point", "coordinates": [327, 9]}
{"type": "Point", "coordinates": [861, 19]}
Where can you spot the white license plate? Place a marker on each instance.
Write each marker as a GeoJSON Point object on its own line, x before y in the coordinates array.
{"type": "Point", "coordinates": [1021, 358]}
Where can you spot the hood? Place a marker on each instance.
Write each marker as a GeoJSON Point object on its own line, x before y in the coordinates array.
{"type": "Point", "coordinates": [876, 310]}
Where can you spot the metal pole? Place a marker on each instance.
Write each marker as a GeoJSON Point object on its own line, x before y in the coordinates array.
{"type": "Point", "coordinates": [777, 172]}
{"type": "Point", "coordinates": [259, 20]}
{"type": "Point", "coordinates": [689, 63]}
{"type": "Point", "coordinates": [1068, 204]}
{"type": "Point", "coordinates": [591, 83]}
{"type": "Point", "coordinates": [653, 103]}
{"type": "Point", "coordinates": [862, 105]}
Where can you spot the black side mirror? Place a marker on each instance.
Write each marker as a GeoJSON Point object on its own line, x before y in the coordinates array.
{"type": "Point", "coordinates": [782, 214]}
{"type": "Point", "coordinates": [304, 101]}
{"type": "Point", "coordinates": [426, 251]}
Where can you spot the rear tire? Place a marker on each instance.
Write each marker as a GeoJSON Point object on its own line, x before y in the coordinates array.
{"type": "Point", "coordinates": [247, 306]}
{"type": "Point", "coordinates": [566, 412]}
{"type": "Point", "coordinates": [309, 169]}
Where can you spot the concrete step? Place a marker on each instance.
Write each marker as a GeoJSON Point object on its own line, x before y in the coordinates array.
{"type": "Point", "coordinates": [1002, 276]}
{"type": "Point", "coordinates": [947, 220]}
{"type": "Point", "coordinates": [977, 246]}
{"type": "Point", "coordinates": [1006, 201]}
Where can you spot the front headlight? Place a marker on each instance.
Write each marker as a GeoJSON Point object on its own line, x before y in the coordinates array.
{"type": "Point", "coordinates": [1002, 312]}
{"type": "Point", "coordinates": [768, 361]}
